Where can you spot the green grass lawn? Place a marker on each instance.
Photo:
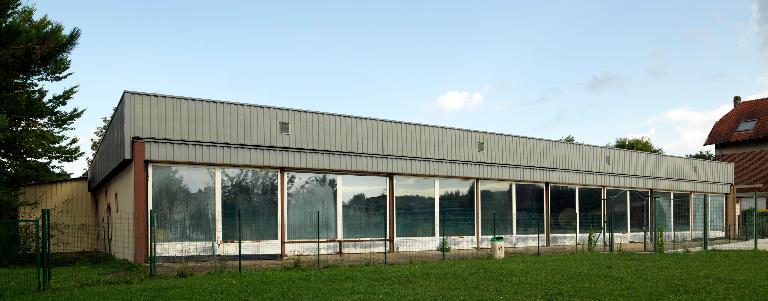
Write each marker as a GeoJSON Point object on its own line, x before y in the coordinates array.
{"type": "Point", "coordinates": [713, 275]}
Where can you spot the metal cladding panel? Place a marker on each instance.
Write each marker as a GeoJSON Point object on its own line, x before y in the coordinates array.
{"type": "Point", "coordinates": [170, 118]}
{"type": "Point", "coordinates": [114, 148]}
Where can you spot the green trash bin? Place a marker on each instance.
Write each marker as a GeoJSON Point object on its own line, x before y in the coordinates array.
{"type": "Point", "coordinates": [497, 247]}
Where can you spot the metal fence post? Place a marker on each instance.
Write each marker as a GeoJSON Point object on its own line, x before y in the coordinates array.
{"type": "Point", "coordinates": [645, 226]}
{"type": "Point", "coordinates": [610, 241]}
{"type": "Point", "coordinates": [37, 253]}
{"type": "Point", "coordinates": [318, 239]}
{"type": "Point", "coordinates": [152, 242]}
{"type": "Point", "coordinates": [538, 236]}
{"type": "Point", "coordinates": [48, 245]}
{"type": "Point", "coordinates": [239, 241]}
{"type": "Point", "coordinates": [706, 223]}
{"type": "Point", "coordinates": [385, 243]}
{"type": "Point", "coordinates": [43, 253]}
{"type": "Point", "coordinates": [754, 219]}
{"type": "Point", "coordinates": [443, 243]}
{"type": "Point", "coordinates": [576, 245]}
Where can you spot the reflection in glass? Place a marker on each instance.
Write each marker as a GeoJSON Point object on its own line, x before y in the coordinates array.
{"type": "Point", "coordinates": [253, 194]}
{"type": "Point", "coordinates": [182, 199]}
{"type": "Point", "coordinates": [311, 194]}
{"type": "Point", "coordinates": [529, 211]}
{"type": "Point", "coordinates": [619, 208]}
{"type": "Point", "coordinates": [589, 209]}
{"type": "Point", "coordinates": [364, 206]}
{"type": "Point", "coordinates": [414, 207]}
{"type": "Point", "coordinates": [698, 213]}
{"type": "Point", "coordinates": [717, 212]}
{"type": "Point", "coordinates": [496, 208]}
{"type": "Point", "coordinates": [638, 212]}
{"type": "Point", "coordinates": [563, 209]}
{"type": "Point", "coordinates": [663, 208]}
{"type": "Point", "coordinates": [457, 207]}
{"type": "Point", "coordinates": [682, 203]}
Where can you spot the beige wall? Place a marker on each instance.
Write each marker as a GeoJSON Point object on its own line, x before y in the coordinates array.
{"type": "Point", "coordinates": [73, 219]}
{"type": "Point", "coordinates": [741, 147]}
{"type": "Point", "coordinates": [116, 197]}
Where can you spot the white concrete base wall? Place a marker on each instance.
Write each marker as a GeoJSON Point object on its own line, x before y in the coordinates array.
{"type": "Point", "coordinates": [294, 249]}
{"type": "Point", "coordinates": [251, 248]}
{"type": "Point", "coordinates": [206, 248]}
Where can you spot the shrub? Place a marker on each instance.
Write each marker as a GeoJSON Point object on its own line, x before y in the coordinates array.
{"type": "Point", "coordinates": [660, 239]}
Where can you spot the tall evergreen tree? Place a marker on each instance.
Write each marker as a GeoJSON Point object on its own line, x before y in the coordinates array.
{"type": "Point", "coordinates": [33, 124]}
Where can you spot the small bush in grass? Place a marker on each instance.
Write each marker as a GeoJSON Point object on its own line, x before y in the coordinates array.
{"type": "Point", "coordinates": [660, 239]}
{"type": "Point", "coordinates": [444, 246]}
{"type": "Point", "coordinates": [591, 241]}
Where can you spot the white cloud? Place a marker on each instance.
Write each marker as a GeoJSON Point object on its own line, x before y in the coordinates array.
{"type": "Point", "coordinates": [684, 130]}
{"type": "Point", "coordinates": [650, 134]}
{"type": "Point", "coordinates": [606, 81]}
{"type": "Point", "coordinates": [757, 96]}
{"type": "Point", "coordinates": [456, 101]}
{"type": "Point", "coordinates": [760, 19]}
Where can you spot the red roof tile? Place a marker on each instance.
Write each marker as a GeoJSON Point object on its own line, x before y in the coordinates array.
{"type": "Point", "coordinates": [724, 130]}
{"type": "Point", "coordinates": [749, 167]}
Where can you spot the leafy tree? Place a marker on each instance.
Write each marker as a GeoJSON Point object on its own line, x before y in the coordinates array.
{"type": "Point", "coordinates": [642, 144]}
{"type": "Point", "coordinates": [702, 154]}
{"type": "Point", "coordinates": [96, 139]}
{"type": "Point", "coordinates": [568, 139]}
{"type": "Point", "coordinates": [33, 124]}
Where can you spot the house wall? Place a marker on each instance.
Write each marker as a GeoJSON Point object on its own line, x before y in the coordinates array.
{"type": "Point", "coordinates": [740, 147]}
{"type": "Point", "coordinates": [115, 214]}
{"type": "Point", "coordinates": [72, 213]}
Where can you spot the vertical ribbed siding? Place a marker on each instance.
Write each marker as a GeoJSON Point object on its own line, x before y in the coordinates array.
{"type": "Point", "coordinates": [335, 133]}
{"type": "Point", "coordinates": [179, 119]}
{"type": "Point", "coordinates": [112, 150]}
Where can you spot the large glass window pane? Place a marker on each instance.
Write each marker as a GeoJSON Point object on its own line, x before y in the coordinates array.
{"type": "Point", "coordinates": [182, 199]}
{"type": "Point", "coordinates": [457, 207]}
{"type": "Point", "coordinates": [682, 218]}
{"type": "Point", "coordinates": [252, 195]}
{"type": "Point", "coordinates": [717, 212]}
{"type": "Point", "coordinates": [310, 194]}
{"type": "Point", "coordinates": [529, 208]}
{"type": "Point", "coordinates": [589, 209]}
{"type": "Point", "coordinates": [496, 208]}
{"type": "Point", "coordinates": [698, 214]}
{"type": "Point", "coordinates": [364, 206]}
{"type": "Point", "coordinates": [414, 207]}
{"type": "Point", "coordinates": [638, 210]}
{"type": "Point", "coordinates": [616, 203]}
{"type": "Point", "coordinates": [663, 211]}
{"type": "Point", "coordinates": [563, 209]}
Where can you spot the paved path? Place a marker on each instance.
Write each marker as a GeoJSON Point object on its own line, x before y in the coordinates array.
{"type": "Point", "coordinates": [762, 244]}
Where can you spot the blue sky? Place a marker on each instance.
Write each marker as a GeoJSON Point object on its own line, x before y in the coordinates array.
{"type": "Point", "coordinates": [596, 70]}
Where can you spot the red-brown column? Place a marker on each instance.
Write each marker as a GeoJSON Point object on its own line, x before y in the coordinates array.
{"type": "Point", "coordinates": [140, 207]}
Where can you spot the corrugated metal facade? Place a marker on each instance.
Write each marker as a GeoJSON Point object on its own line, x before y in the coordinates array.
{"type": "Point", "coordinates": [113, 149]}
{"type": "Point", "coordinates": [211, 132]}
{"type": "Point", "coordinates": [72, 208]}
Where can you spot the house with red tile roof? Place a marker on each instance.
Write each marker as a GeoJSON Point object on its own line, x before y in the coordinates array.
{"type": "Point", "coordinates": [741, 137]}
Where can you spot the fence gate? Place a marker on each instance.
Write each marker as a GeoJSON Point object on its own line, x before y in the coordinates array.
{"type": "Point", "coordinates": [25, 255]}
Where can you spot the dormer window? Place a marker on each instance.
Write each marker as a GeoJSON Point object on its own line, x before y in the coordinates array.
{"type": "Point", "coordinates": [746, 125]}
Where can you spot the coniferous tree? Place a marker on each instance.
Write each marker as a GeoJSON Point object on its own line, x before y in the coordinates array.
{"type": "Point", "coordinates": [33, 123]}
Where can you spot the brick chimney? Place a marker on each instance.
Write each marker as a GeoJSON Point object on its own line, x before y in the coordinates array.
{"type": "Point", "coordinates": [736, 101]}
